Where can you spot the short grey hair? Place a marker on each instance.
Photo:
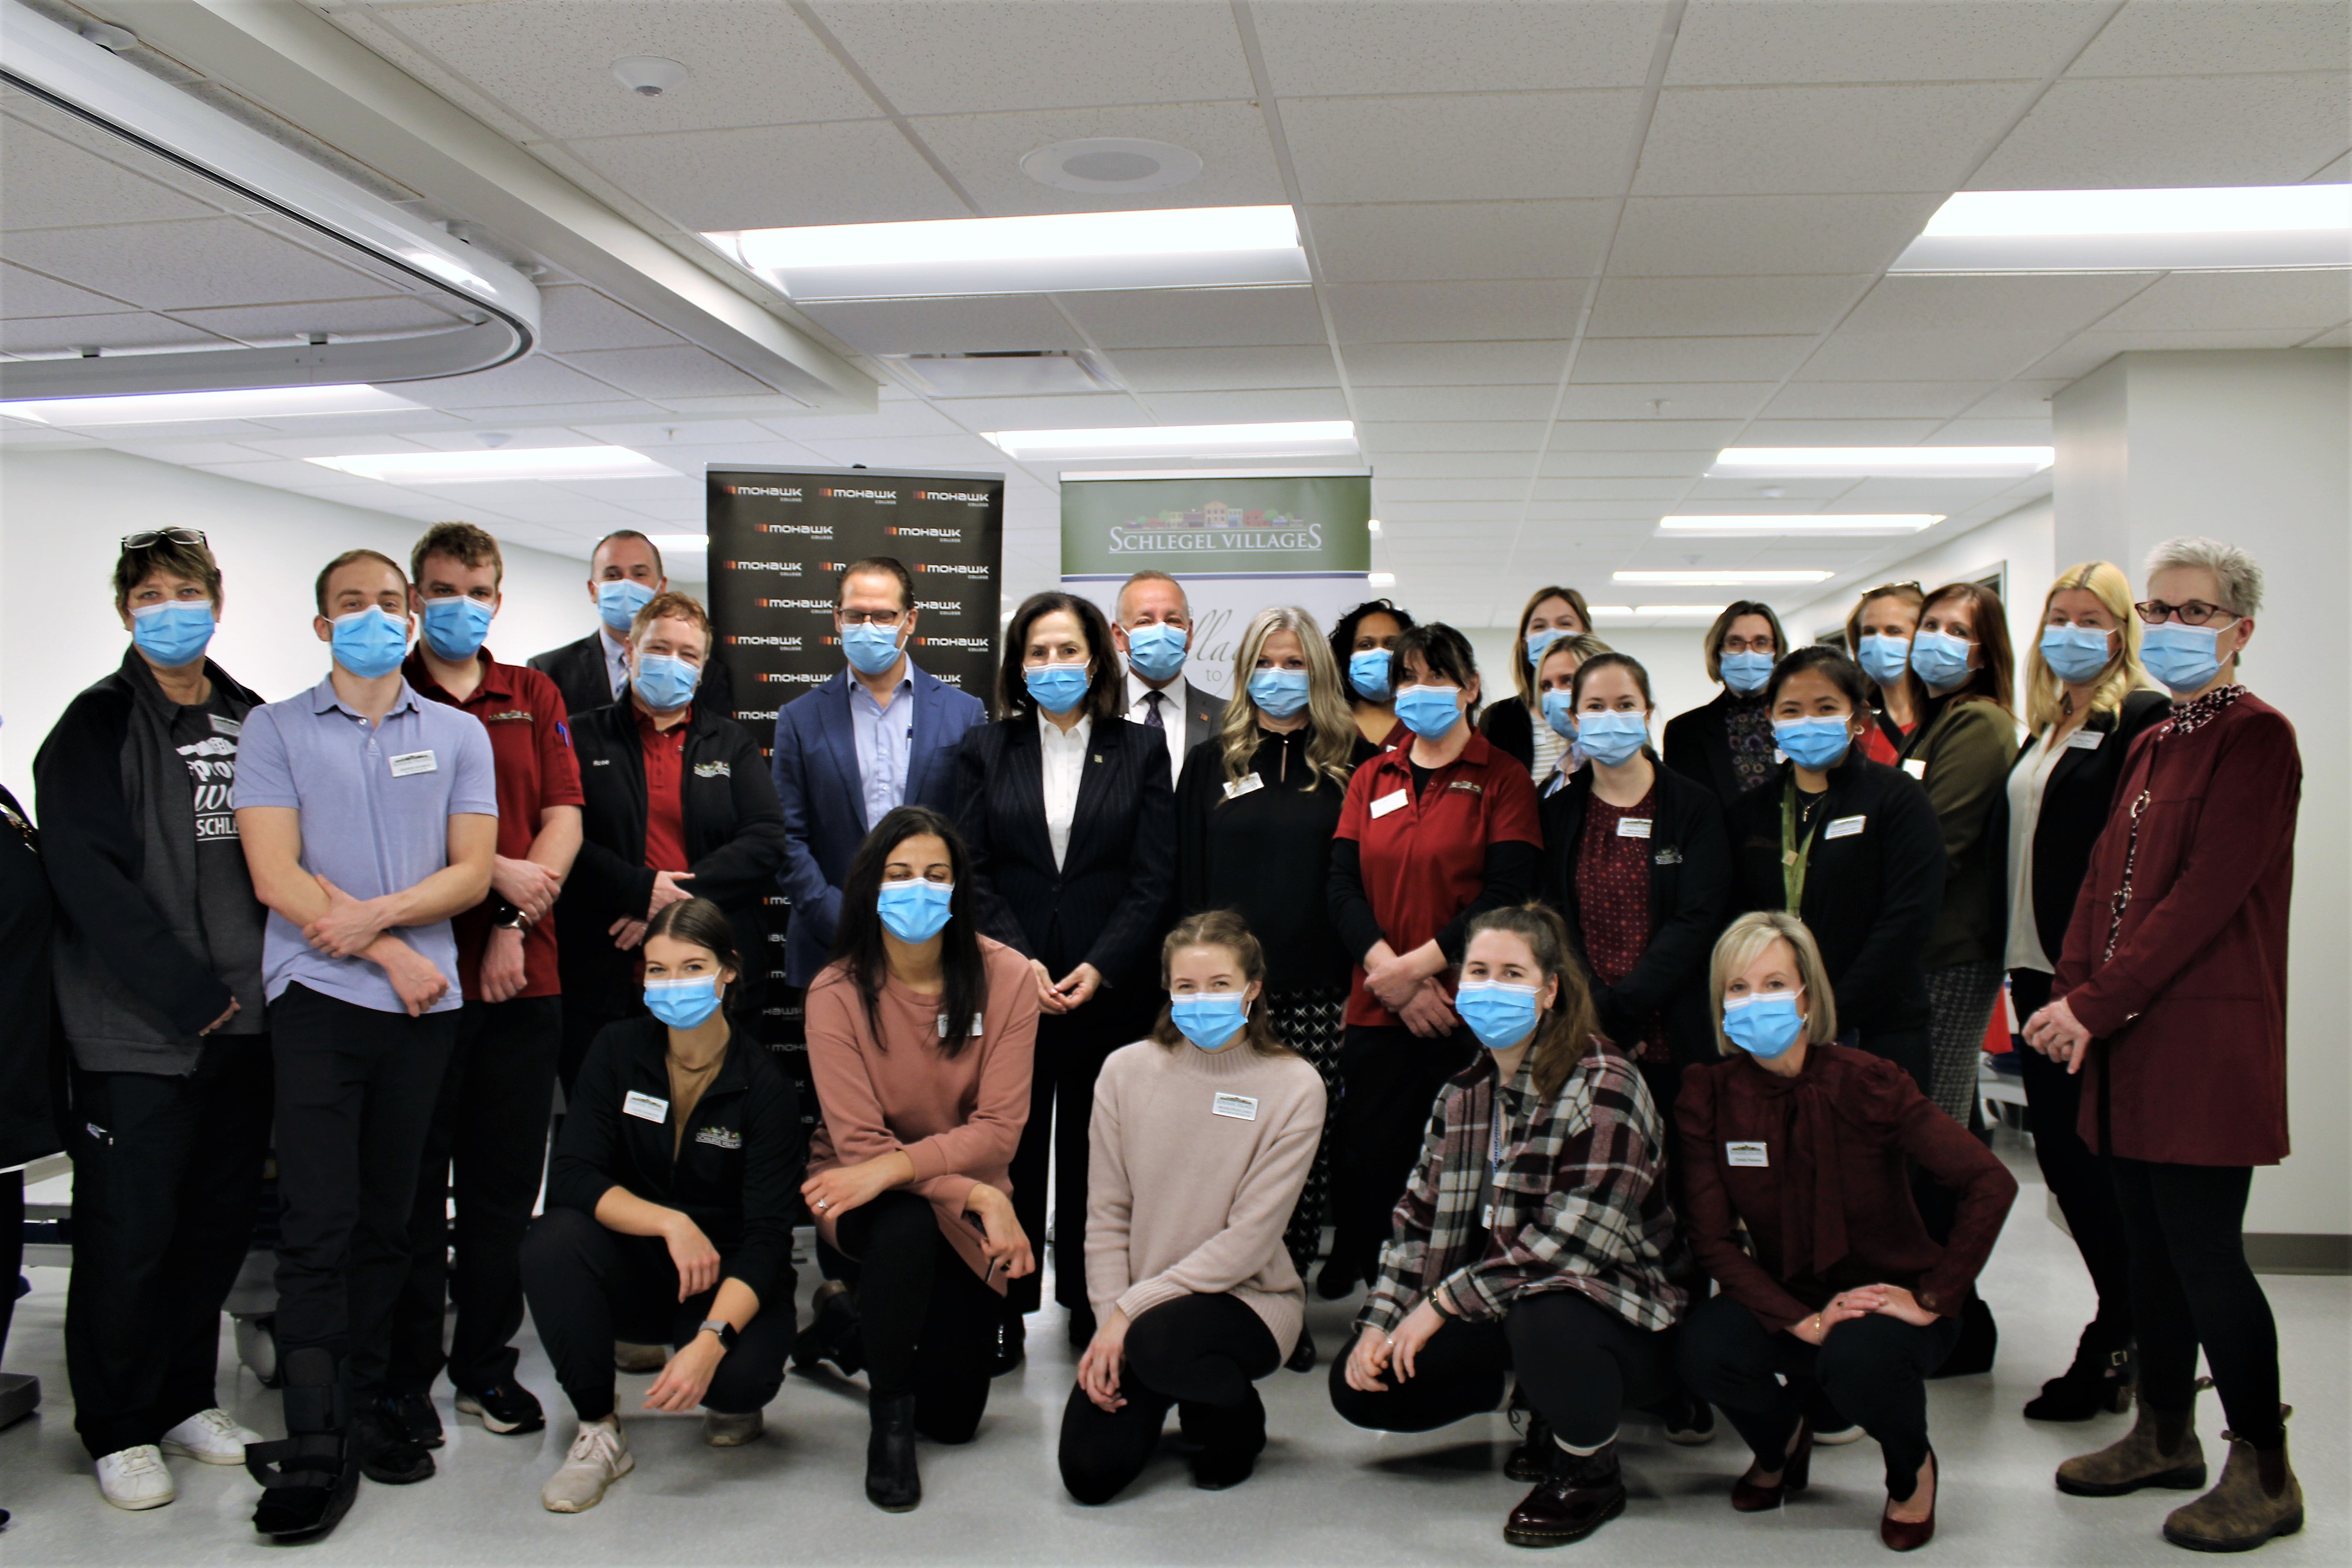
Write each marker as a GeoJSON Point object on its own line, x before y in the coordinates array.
{"type": "Point", "coordinates": [1150, 575]}
{"type": "Point", "coordinates": [2240, 579]}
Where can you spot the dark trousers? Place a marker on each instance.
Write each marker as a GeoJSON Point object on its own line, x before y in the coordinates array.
{"type": "Point", "coordinates": [167, 1175]}
{"type": "Point", "coordinates": [1579, 1364]}
{"type": "Point", "coordinates": [488, 1143]}
{"type": "Point", "coordinates": [1874, 1369]}
{"type": "Point", "coordinates": [355, 1094]}
{"type": "Point", "coordinates": [2078, 1179]}
{"type": "Point", "coordinates": [1069, 1057]}
{"type": "Point", "coordinates": [1199, 1354]}
{"type": "Point", "coordinates": [2190, 1285]}
{"type": "Point", "coordinates": [12, 1249]}
{"type": "Point", "coordinates": [928, 1324]}
{"type": "Point", "coordinates": [1390, 1077]}
{"type": "Point", "coordinates": [590, 1285]}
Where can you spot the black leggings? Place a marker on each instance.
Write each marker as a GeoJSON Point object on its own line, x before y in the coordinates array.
{"type": "Point", "coordinates": [929, 1323]}
{"type": "Point", "coordinates": [1391, 1077]}
{"type": "Point", "coordinates": [2191, 1284]}
{"type": "Point", "coordinates": [1874, 1369]}
{"type": "Point", "coordinates": [1579, 1364]}
{"type": "Point", "coordinates": [1200, 1353]}
{"type": "Point", "coordinates": [589, 1286]}
{"type": "Point", "coordinates": [2077, 1178]}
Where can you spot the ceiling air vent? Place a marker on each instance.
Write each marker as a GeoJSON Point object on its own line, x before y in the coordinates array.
{"type": "Point", "coordinates": [1014, 373]}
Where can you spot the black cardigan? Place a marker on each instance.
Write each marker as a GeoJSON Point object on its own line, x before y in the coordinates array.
{"type": "Point", "coordinates": [1510, 729]}
{"type": "Point", "coordinates": [737, 1174]}
{"type": "Point", "coordinates": [1872, 897]}
{"type": "Point", "coordinates": [2075, 805]}
{"type": "Point", "coordinates": [1690, 899]}
{"type": "Point", "coordinates": [1698, 745]}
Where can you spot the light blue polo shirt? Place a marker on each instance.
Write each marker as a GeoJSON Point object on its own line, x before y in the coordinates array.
{"type": "Point", "coordinates": [376, 801]}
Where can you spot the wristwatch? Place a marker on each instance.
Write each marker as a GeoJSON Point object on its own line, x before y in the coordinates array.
{"type": "Point", "coordinates": [723, 1329]}
{"type": "Point", "coordinates": [507, 917]}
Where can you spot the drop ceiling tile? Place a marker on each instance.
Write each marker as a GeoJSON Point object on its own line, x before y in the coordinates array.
{"type": "Point", "coordinates": [1409, 242]}
{"type": "Point", "coordinates": [2087, 352]}
{"type": "Point", "coordinates": [1489, 435]}
{"type": "Point", "coordinates": [573, 317]}
{"type": "Point", "coordinates": [1720, 307]}
{"type": "Point", "coordinates": [1643, 434]}
{"type": "Point", "coordinates": [1580, 465]}
{"type": "Point", "coordinates": [2223, 301]}
{"type": "Point", "coordinates": [1197, 317]}
{"type": "Point", "coordinates": [682, 371]}
{"type": "Point", "coordinates": [207, 261]}
{"type": "Point", "coordinates": [1451, 466]}
{"type": "Point", "coordinates": [2185, 38]}
{"type": "Point", "coordinates": [1406, 533]}
{"type": "Point", "coordinates": [191, 452]}
{"type": "Point", "coordinates": [1247, 407]}
{"type": "Point", "coordinates": [654, 438]}
{"type": "Point", "coordinates": [604, 407]}
{"type": "Point", "coordinates": [1995, 433]}
{"type": "Point", "coordinates": [776, 176]}
{"type": "Point", "coordinates": [1455, 364]}
{"type": "Point", "coordinates": [968, 452]}
{"type": "Point", "coordinates": [26, 293]}
{"type": "Point", "coordinates": [117, 330]}
{"type": "Point", "coordinates": [1666, 400]}
{"type": "Point", "coordinates": [1455, 402]}
{"type": "Point", "coordinates": [2017, 400]}
{"type": "Point", "coordinates": [1208, 370]}
{"type": "Point", "coordinates": [522, 436]}
{"type": "Point", "coordinates": [1563, 492]}
{"type": "Point", "coordinates": [984, 324]}
{"type": "Point", "coordinates": [1393, 493]}
{"type": "Point", "coordinates": [1671, 236]}
{"type": "Point", "coordinates": [1081, 411]}
{"type": "Point", "coordinates": [1795, 497]}
{"type": "Point", "coordinates": [1951, 354]}
{"type": "Point", "coordinates": [1875, 399]}
{"type": "Point", "coordinates": [1946, 496]}
{"type": "Point", "coordinates": [1836, 432]}
{"type": "Point", "coordinates": [2174, 130]}
{"type": "Point", "coordinates": [1485, 147]}
{"type": "Point", "coordinates": [894, 416]}
{"type": "Point", "coordinates": [2341, 338]}
{"type": "Point", "coordinates": [550, 63]}
{"type": "Point", "coordinates": [1736, 141]}
{"type": "Point", "coordinates": [1743, 41]}
{"type": "Point", "coordinates": [1688, 359]}
{"type": "Point", "coordinates": [52, 184]}
{"type": "Point", "coordinates": [1598, 519]}
{"type": "Point", "coordinates": [336, 318]}
{"type": "Point", "coordinates": [964, 56]}
{"type": "Point", "coordinates": [984, 153]}
{"type": "Point", "coordinates": [534, 380]}
{"type": "Point", "coordinates": [1911, 303]}
{"type": "Point", "coordinates": [1345, 46]}
{"type": "Point", "coordinates": [1454, 313]}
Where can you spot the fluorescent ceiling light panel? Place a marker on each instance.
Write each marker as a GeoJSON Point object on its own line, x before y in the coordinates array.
{"type": "Point", "coordinates": [1863, 462]}
{"type": "Point", "coordinates": [506, 463]}
{"type": "Point", "coordinates": [1311, 439]}
{"type": "Point", "coordinates": [1718, 579]}
{"type": "Point", "coordinates": [2098, 231]}
{"type": "Point", "coordinates": [1855, 525]}
{"type": "Point", "coordinates": [1182, 247]}
{"type": "Point", "coordinates": [1618, 612]}
{"type": "Point", "coordinates": [172, 407]}
{"type": "Point", "coordinates": [1380, 579]}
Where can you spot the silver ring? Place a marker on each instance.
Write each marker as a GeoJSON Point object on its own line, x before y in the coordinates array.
{"type": "Point", "coordinates": [821, 1203]}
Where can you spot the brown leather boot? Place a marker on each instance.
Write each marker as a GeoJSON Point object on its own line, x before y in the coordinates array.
{"type": "Point", "coordinates": [2143, 1458]}
{"type": "Point", "coordinates": [2257, 1499]}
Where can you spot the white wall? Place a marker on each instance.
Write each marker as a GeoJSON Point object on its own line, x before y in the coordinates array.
{"type": "Point", "coordinates": [62, 515]}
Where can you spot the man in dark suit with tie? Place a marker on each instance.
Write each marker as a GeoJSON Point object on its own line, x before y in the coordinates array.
{"type": "Point", "coordinates": [1153, 629]}
{"type": "Point", "coordinates": [877, 734]}
{"type": "Point", "coordinates": [624, 574]}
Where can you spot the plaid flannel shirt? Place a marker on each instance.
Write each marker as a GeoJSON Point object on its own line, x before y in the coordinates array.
{"type": "Point", "coordinates": [1580, 1202]}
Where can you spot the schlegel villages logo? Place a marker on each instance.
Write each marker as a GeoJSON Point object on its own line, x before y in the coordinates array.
{"type": "Point", "coordinates": [1213, 529]}
{"type": "Point", "coordinates": [770, 491]}
{"type": "Point", "coordinates": [954, 535]}
{"type": "Point", "coordinates": [889, 498]}
{"type": "Point", "coordinates": [979, 497]}
{"type": "Point", "coordinates": [734, 640]}
{"type": "Point", "coordinates": [824, 604]}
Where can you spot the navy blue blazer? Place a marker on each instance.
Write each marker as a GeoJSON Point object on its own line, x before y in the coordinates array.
{"type": "Point", "coordinates": [824, 795]}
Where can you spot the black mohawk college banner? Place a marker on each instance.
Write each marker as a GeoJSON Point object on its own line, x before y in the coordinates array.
{"type": "Point", "coordinates": [779, 538]}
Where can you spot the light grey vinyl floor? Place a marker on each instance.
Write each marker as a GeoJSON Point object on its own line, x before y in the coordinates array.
{"type": "Point", "coordinates": [1325, 1493]}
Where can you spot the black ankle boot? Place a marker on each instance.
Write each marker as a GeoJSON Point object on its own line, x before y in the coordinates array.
{"type": "Point", "coordinates": [1578, 1494]}
{"type": "Point", "coordinates": [1978, 1339]}
{"type": "Point", "coordinates": [835, 1334]}
{"type": "Point", "coordinates": [1531, 1461]}
{"type": "Point", "coordinates": [309, 1477]}
{"type": "Point", "coordinates": [2099, 1382]}
{"type": "Point", "coordinates": [892, 1482]}
{"type": "Point", "coordinates": [1229, 1442]}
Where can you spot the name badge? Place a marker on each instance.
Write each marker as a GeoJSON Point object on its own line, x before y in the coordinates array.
{"type": "Point", "coordinates": [1240, 1107]}
{"type": "Point", "coordinates": [720, 1138]}
{"type": "Point", "coordinates": [1393, 801]}
{"type": "Point", "coordinates": [1916, 766]}
{"type": "Point", "coordinates": [409, 763]}
{"type": "Point", "coordinates": [644, 1107]}
{"type": "Point", "coordinates": [976, 1025]}
{"type": "Point", "coordinates": [2085, 740]}
{"type": "Point", "coordinates": [1486, 1216]}
{"type": "Point", "coordinates": [1844, 827]}
{"type": "Point", "coordinates": [1747, 1154]}
{"type": "Point", "coordinates": [225, 726]}
{"type": "Point", "coordinates": [1632, 828]}
{"type": "Point", "coordinates": [1243, 786]}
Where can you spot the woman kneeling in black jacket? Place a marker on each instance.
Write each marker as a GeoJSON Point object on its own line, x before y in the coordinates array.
{"type": "Point", "coordinates": [669, 1209]}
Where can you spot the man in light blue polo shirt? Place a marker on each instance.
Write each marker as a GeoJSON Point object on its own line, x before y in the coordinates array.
{"type": "Point", "coordinates": [369, 817]}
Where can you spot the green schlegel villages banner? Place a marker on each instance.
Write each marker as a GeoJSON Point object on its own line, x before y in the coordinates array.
{"type": "Point", "coordinates": [1196, 527]}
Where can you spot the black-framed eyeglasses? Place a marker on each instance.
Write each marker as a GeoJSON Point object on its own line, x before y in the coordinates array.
{"type": "Point", "coordinates": [2194, 613]}
{"type": "Point", "coordinates": [151, 538]}
{"type": "Point", "coordinates": [871, 618]}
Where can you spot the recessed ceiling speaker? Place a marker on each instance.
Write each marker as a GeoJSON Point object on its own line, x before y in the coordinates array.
{"type": "Point", "coordinates": [649, 75]}
{"type": "Point", "coordinates": [1111, 165]}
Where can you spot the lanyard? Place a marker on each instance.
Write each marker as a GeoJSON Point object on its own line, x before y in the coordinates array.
{"type": "Point", "coordinates": [1494, 1156]}
{"type": "Point", "coordinates": [1794, 857]}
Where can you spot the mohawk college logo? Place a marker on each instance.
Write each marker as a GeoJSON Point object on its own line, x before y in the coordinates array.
{"type": "Point", "coordinates": [833, 493]}
{"type": "Point", "coordinates": [824, 604]}
{"type": "Point", "coordinates": [782, 568]}
{"type": "Point", "coordinates": [804, 529]}
{"type": "Point", "coordinates": [736, 640]}
{"type": "Point", "coordinates": [770, 491]}
{"type": "Point", "coordinates": [977, 644]}
{"type": "Point", "coordinates": [973, 498]}
{"type": "Point", "coordinates": [954, 535]}
{"type": "Point", "coordinates": [951, 569]}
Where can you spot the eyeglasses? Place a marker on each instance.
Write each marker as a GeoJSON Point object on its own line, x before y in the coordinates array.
{"type": "Point", "coordinates": [1747, 645]}
{"type": "Point", "coordinates": [149, 538]}
{"type": "Point", "coordinates": [2195, 612]}
{"type": "Point", "coordinates": [871, 618]}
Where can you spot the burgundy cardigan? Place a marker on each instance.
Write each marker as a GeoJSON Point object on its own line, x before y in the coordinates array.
{"type": "Point", "coordinates": [2188, 1011]}
{"type": "Point", "coordinates": [1829, 1207]}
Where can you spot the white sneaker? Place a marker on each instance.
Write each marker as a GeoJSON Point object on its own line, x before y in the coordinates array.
{"type": "Point", "coordinates": [599, 1456]}
{"type": "Point", "coordinates": [211, 1435]}
{"type": "Point", "coordinates": [135, 1479]}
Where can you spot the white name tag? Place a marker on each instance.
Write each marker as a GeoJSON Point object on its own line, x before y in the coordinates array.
{"type": "Point", "coordinates": [1844, 827]}
{"type": "Point", "coordinates": [1240, 1107]}
{"type": "Point", "coordinates": [644, 1107]}
{"type": "Point", "coordinates": [409, 763]}
{"type": "Point", "coordinates": [1632, 828]}
{"type": "Point", "coordinates": [977, 1029]}
{"type": "Point", "coordinates": [225, 726]}
{"type": "Point", "coordinates": [1916, 766]}
{"type": "Point", "coordinates": [1749, 1154]}
{"type": "Point", "coordinates": [1243, 786]}
{"type": "Point", "coordinates": [2086, 740]}
{"type": "Point", "coordinates": [1393, 801]}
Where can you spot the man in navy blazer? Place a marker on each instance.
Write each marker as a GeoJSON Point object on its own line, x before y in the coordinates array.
{"type": "Point", "coordinates": [877, 734]}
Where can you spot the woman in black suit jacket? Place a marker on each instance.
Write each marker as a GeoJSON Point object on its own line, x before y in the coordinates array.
{"type": "Point", "coordinates": [1727, 743]}
{"type": "Point", "coordinates": [2086, 698]}
{"type": "Point", "coordinates": [1071, 820]}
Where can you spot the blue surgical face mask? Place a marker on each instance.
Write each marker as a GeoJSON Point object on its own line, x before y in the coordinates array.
{"type": "Point", "coordinates": [1560, 712]}
{"type": "Point", "coordinates": [1278, 693]}
{"type": "Point", "coordinates": [1538, 642]}
{"type": "Point", "coordinates": [1056, 688]}
{"type": "Point", "coordinates": [1765, 1025]}
{"type": "Point", "coordinates": [1884, 659]}
{"type": "Point", "coordinates": [1815, 743]}
{"type": "Point", "coordinates": [1429, 711]}
{"type": "Point", "coordinates": [1941, 660]}
{"type": "Point", "coordinates": [683, 1004]}
{"type": "Point", "coordinates": [618, 602]}
{"type": "Point", "coordinates": [1612, 738]}
{"type": "Point", "coordinates": [915, 911]}
{"type": "Point", "coordinates": [2184, 658]}
{"type": "Point", "coordinates": [1370, 673]}
{"type": "Point", "coordinates": [872, 649]}
{"type": "Point", "coordinates": [1156, 652]}
{"type": "Point", "coordinates": [1500, 1015]}
{"type": "Point", "coordinates": [175, 632]}
{"type": "Point", "coordinates": [2075, 654]}
{"type": "Point", "coordinates": [371, 642]}
{"type": "Point", "coordinates": [1746, 673]}
{"type": "Point", "coordinates": [454, 627]}
{"type": "Point", "coordinates": [666, 683]}
{"type": "Point", "coordinates": [1210, 1019]}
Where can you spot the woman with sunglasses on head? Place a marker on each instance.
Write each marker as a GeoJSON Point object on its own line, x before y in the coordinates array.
{"type": "Point", "coordinates": [1878, 638]}
{"type": "Point", "coordinates": [1517, 727]}
{"type": "Point", "coordinates": [2170, 1002]}
{"type": "Point", "coordinates": [1555, 681]}
{"type": "Point", "coordinates": [920, 1035]}
{"type": "Point", "coordinates": [1806, 1147]}
{"type": "Point", "coordinates": [2087, 700]}
{"type": "Point", "coordinates": [1727, 744]}
{"type": "Point", "coordinates": [1363, 646]}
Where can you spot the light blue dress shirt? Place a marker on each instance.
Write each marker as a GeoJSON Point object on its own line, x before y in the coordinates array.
{"type": "Point", "coordinates": [885, 737]}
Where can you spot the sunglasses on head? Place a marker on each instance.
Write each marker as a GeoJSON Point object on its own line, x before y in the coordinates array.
{"type": "Point", "coordinates": [151, 538]}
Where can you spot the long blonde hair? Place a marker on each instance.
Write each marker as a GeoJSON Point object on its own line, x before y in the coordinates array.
{"type": "Point", "coordinates": [1743, 942]}
{"type": "Point", "coordinates": [2045, 694]}
{"type": "Point", "coordinates": [1330, 720]}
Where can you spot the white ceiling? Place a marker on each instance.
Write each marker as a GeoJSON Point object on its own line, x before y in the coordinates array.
{"type": "Point", "coordinates": [1563, 250]}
